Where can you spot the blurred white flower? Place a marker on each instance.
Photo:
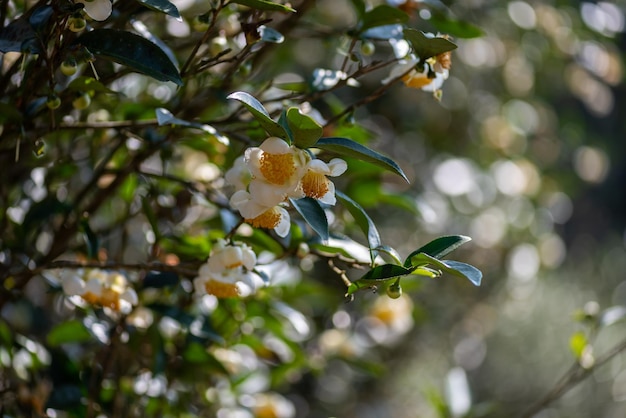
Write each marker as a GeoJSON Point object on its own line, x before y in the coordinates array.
{"type": "Point", "coordinates": [228, 272]}
{"type": "Point", "coordinates": [97, 9]}
{"type": "Point", "coordinates": [100, 288]}
{"type": "Point", "coordinates": [238, 175]}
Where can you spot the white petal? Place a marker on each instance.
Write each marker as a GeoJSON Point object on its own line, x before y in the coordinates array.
{"type": "Point", "coordinates": [73, 285]}
{"type": "Point", "coordinates": [98, 9]}
{"type": "Point", "coordinates": [248, 257]}
{"type": "Point", "coordinates": [94, 286]}
{"type": "Point", "coordinates": [266, 194]}
{"type": "Point", "coordinates": [282, 229]}
{"type": "Point", "coordinates": [318, 166]}
{"type": "Point", "coordinates": [130, 296]}
{"type": "Point", "coordinates": [337, 167]}
{"type": "Point", "coordinates": [329, 198]}
{"type": "Point", "coordinates": [274, 145]}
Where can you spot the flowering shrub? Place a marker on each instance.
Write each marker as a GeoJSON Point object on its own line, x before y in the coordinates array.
{"type": "Point", "coordinates": [173, 203]}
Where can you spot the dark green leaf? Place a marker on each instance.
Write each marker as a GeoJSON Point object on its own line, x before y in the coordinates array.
{"type": "Point", "coordinates": [93, 243]}
{"type": "Point", "coordinates": [456, 28]}
{"type": "Point", "coordinates": [165, 117]}
{"type": "Point", "coordinates": [158, 279]}
{"type": "Point", "coordinates": [260, 114]}
{"type": "Point", "coordinates": [359, 6]}
{"type": "Point", "coordinates": [264, 5]}
{"type": "Point", "coordinates": [284, 123]}
{"type": "Point", "coordinates": [131, 50]}
{"type": "Point", "coordinates": [19, 36]}
{"type": "Point", "coordinates": [364, 222]}
{"type": "Point", "coordinates": [449, 266]}
{"type": "Point", "coordinates": [162, 6]}
{"type": "Point", "coordinates": [349, 148]}
{"type": "Point", "coordinates": [313, 214]}
{"type": "Point", "coordinates": [68, 332]}
{"type": "Point", "coordinates": [389, 254]}
{"type": "Point", "coordinates": [439, 247]}
{"type": "Point", "coordinates": [305, 130]}
{"type": "Point", "coordinates": [385, 272]}
{"type": "Point", "coordinates": [382, 15]}
{"type": "Point", "coordinates": [270, 35]}
{"type": "Point", "coordinates": [40, 18]}
{"type": "Point", "coordinates": [425, 47]}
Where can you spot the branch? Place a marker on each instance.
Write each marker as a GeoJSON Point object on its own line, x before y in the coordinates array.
{"type": "Point", "coordinates": [571, 378]}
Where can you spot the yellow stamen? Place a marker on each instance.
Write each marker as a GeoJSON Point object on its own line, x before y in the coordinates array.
{"type": "Point", "coordinates": [268, 219]}
{"type": "Point", "coordinates": [314, 185]}
{"type": "Point", "coordinates": [110, 299]}
{"type": "Point", "coordinates": [277, 168]}
{"type": "Point", "coordinates": [416, 82]}
{"type": "Point", "coordinates": [91, 298]}
{"type": "Point", "coordinates": [221, 289]}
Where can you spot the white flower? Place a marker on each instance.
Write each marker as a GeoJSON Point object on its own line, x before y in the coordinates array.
{"type": "Point", "coordinates": [101, 288]}
{"type": "Point", "coordinates": [260, 216]}
{"type": "Point", "coordinates": [276, 162]}
{"type": "Point", "coordinates": [97, 9]}
{"type": "Point", "coordinates": [315, 182]}
{"type": "Point", "coordinates": [228, 272]}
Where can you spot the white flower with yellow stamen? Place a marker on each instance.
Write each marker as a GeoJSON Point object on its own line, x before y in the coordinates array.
{"type": "Point", "coordinates": [277, 163]}
{"type": "Point", "coordinates": [97, 9]}
{"type": "Point", "coordinates": [101, 288]}
{"type": "Point", "coordinates": [261, 216]}
{"type": "Point", "coordinates": [228, 272]}
{"type": "Point", "coordinates": [315, 182]}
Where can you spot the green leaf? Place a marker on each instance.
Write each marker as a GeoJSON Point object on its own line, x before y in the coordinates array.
{"type": "Point", "coordinates": [439, 247]}
{"type": "Point", "coordinates": [162, 6]}
{"type": "Point", "coordinates": [305, 130]}
{"type": "Point", "coordinates": [389, 254]}
{"type": "Point", "coordinates": [349, 148]}
{"type": "Point", "coordinates": [18, 36]}
{"type": "Point", "coordinates": [381, 15]}
{"type": "Point", "coordinates": [425, 47]}
{"type": "Point", "coordinates": [93, 243]}
{"type": "Point", "coordinates": [363, 221]}
{"type": "Point", "coordinates": [68, 332]}
{"type": "Point", "coordinates": [270, 35]}
{"type": "Point", "coordinates": [264, 5]}
{"type": "Point", "coordinates": [385, 272]}
{"type": "Point", "coordinates": [456, 28]}
{"type": "Point", "coordinates": [359, 6]}
{"type": "Point", "coordinates": [131, 50]}
{"type": "Point", "coordinates": [260, 114]}
{"type": "Point", "coordinates": [455, 268]}
{"type": "Point", "coordinates": [165, 117]}
{"type": "Point", "coordinates": [313, 214]}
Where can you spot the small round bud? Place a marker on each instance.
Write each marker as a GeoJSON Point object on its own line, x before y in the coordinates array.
{"type": "Point", "coordinates": [367, 48]}
{"type": "Point", "coordinates": [76, 23]}
{"type": "Point", "coordinates": [81, 102]}
{"type": "Point", "coordinates": [394, 291]}
{"type": "Point", "coordinates": [200, 23]}
{"type": "Point", "coordinates": [69, 67]}
{"type": "Point", "coordinates": [53, 101]}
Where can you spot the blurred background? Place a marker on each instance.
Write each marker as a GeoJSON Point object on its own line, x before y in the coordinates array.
{"type": "Point", "coordinates": [524, 153]}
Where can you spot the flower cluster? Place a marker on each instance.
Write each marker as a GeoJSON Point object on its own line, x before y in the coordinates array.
{"type": "Point", "coordinates": [228, 271]}
{"type": "Point", "coordinates": [100, 288]}
{"type": "Point", "coordinates": [427, 75]}
{"type": "Point", "coordinates": [268, 175]}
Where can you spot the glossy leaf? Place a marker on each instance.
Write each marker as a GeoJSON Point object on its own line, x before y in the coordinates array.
{"type": "Point", "coordinates": [259, 112]}
{"type": "Point", "coordinates": [304, 129]}
{"type": "Point", "coordinates": [350, 148]}
{"type": "Point", "coordinates": [385, 272]}
{"type": "Point", "coordinates": [165, 117]}
{"type": "Point", "coordinates": [312, 212]}
{"type": "Point", "coordinates": [455, 268]}
{"type": "Point", "coordinates": [381, 15]}
{"type": "Point", "coordinates": [131, 50]}
{"type": "Point", "coordinates": [389, 254]}
{"type": "Point", "coordinates": [19, 36]}
{"type": "Point", "coordinates": [73, 331]}
{"type": "Point", "coordinates": [425, 47]}
{"type": "Point", "coordinates": [162, 6]}
{"type": "Point", "coordinates": [40, 18]}
{"type": "Point", "coordinates": [264, 5]}
{"type": "Point", "coordinates": [364, 222]}
{"type": "Point", "coordinates": [270, 35]}
{"type": "Point", "coordinates": [439, 247]}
